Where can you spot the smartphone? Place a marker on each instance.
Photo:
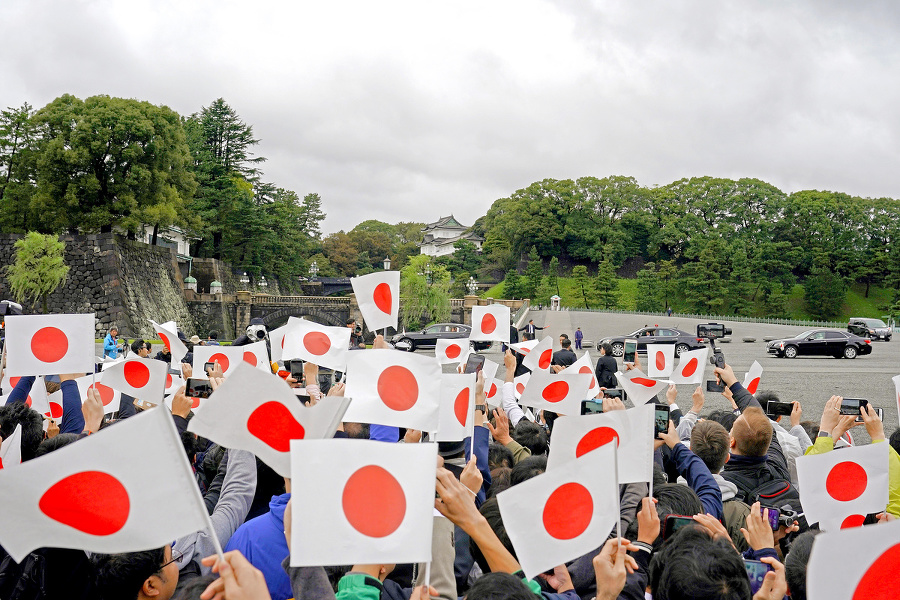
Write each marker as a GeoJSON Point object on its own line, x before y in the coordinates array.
{"type": "Point", "coordinates": [756, 571]}
{"type": "Point", "coordinates": [714, 386]}
{"type": "Point", "coordinates": [660, 420]}
{"type": "Point", "coordinates": [197, 388]}
{"type": "Point", "coordinates": [591, 407]}
{"type": "Point", "coordinates": [613, 393]}
{"type": "Point", "coordinates": [674, 523]}
{"type": "Point", "coordinates": [474, 364]}
{"type": "Point", "coordinates": [878, 411]}
{"type": "Point", "coordinates": [774, 515]}
{"type": "Point", "coordinates": [774, 408]}
{"type": "Point", "coordinates": [851, 406]}
{"type": "Point", "coordinates": [295, 367]}
{"type": "Point", "coordinates": [207, 367]}
{"type": "Point", "coordinates": [630, 350]}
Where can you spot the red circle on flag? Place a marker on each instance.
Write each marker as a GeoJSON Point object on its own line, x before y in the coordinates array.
{"type": "Point", "coordinates": [595, 438]}
{"type": "Point", "coordinates": [492, 391]}
{"type": "Point", "coordinates": [568, 511]}
{"type": "Point", "coordinates": [382, 297]}
{"type": "Point", "coordinates": [586, 370]}
{"type": "Point", "coordinates": [223, 360]}
{"type": "Point", "coordinates": [846, 481]}
{"type": "Point", "coordinates": [555, 392]}
{"type": "Point", "coordinates": [660, 361]}
{"type": "Point", "coordinates": [520, 388]}
{"type": "Point", "coordinates": [453, 351]}
{"type": "Point", "coordinates": [853, 521]}
{"type": "Point", "coordinates": [168, 380]}
{"type": "Point", "coordinates": [250, 358]}
{"type": "Point", "coordinates": [398, 388]}
{"type": "Point", "coordinates": [56, 410]}
{"type": "Point", "coordinates": [28, 401]}
{"type": "Point", "coordinates": [753, 385]}
{"type": "Point", "coordinates": [881, 580]}
{"type": "Point", "coordinates": [544, 360]}
{"type": "Point", "coordinates": [461, 406]}
{"type": "Point", "coordinates": [691, 368]}
{"type": "Point", "coordinates": [317, 343]}
{"type": "Point", "coordinates": [488, 323]}
{"type": "Point", "coordinates": [106, 393]}
{"type": "Point", "coordinates": [92, 502]}
{"type": "Point", "coordinates": [136, 374]}
{"type": "Point", "coordinates": [49, 344]}
{"type": "Point", "coordinates": [14, 380]}
{"type": "Point", "coordinates": [644, 381]}
{"type": "Point", "coordinates": [165, 340]}
{"type": "Point", "coordinates": [374, 502]}
{"type": "Point", "coordinates": [274, 424]}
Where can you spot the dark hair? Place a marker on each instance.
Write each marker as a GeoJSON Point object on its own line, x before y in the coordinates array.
{"type": "Point", "coordinates": [499, 586]}
{"type": "Point", "coordinates": [532, 436]}
{"type": "Point", "coordinates": [607, 348]}
{"type": "Point", "coordinates": [725, 418]}
{"type": "Point", "coordinates": [527, 468]}
{"type": "Point", "coordinates": [18, 413]}
{"type": "Point", "coordinates": [490, 510]}
{"type": "Point", "coordinates": [360, 433]}
{"type": "Point", "coordinates": [122, 575]}
{"type": "Point", "coordinates": [894, 440]}
{"type": "Point", "coordinates": [795, 563]}
{"type": "Point", "coordinates": [137, 345]}
{"type": "Point", "coordinates": [500, 480]}
{"type": "Point", "coordinates": [692, 566]}
{"type": "Point", "coordinates": [213, 335]}
{"type": "Point", "coordinates": [350, 321]}
{"type": "Point", "coordinates": [812, 430]}
{"type": "Point", "coordinates": [194, 587]}
{"type": "Point", "coordinates": [500, 456]}
{"type": "Point", "coordinates": [710, 442]}
{"type": "Point", "coordinates": [55, 443]}
{"type": "Point", "coordinates": [566, 343]}
{"type": "Point", "coordinates": [672, 499]}
{"type": "Point", "coordinates": [766, 396]}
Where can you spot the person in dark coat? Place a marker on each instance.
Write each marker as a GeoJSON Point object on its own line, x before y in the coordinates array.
{"type": "Point", "coordinates": [606, 367]}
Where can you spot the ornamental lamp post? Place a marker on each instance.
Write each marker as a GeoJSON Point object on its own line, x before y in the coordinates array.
{"type": "Point", "coordinates": [313, 270]}
{"type": "Point", "coordinates": [387, 263]}
{"type": "Point", "coordinates": [472, 286]}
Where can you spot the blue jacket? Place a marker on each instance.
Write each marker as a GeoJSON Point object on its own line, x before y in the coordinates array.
{"type": "Point", "coordinates": [698, 477]}
{"type": "Point", "coordinates": [261, 541]}
{"type": "Point", "coordinates": [72, 419]}
{"type": "Point", "coordinates": [110, 348]}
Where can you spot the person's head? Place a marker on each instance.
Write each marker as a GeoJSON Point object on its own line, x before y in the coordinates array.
{"type": "Point", "coordinates": [532, 436]}
{"type": "Point", "coordinates": [499, 586]}
{"type": "Point", "coordinates": [751, 433]}
{"type": "Point", "coordinates": [565, 343]}
{"type": "Point", "coordinates": [578, 328]}
{"type": "Point", "coordinates": [531, 321]}
{"type": "Point", "coordinates": [725, 418]}
{"type": "Point", "coordinates": [214, 335]}
{"type": "Point", "coordinates": [55, 443]}
{"type": "Point", "coordinates": [894, 440]}
{"type": "Point", "coordinates": [500, 480]}
{"type": "Point", "coordinates": [490, 510]}
{"type": "Point", "coordinates": [606, 349]}
{"type": "Point", "coordinates": [138, 575]}
{"type": "Point", "coordinates": [500, 456]}
{"type": "Point", "coordinates": [141, 348]}
{"type": "Point", "coordinates": [113, 331]}
{"type": "Point", "coordinates": [795, 563]}
{"type": "Point", "coordinates": [32, 424]}
{"type": "Point", "coordinates": [351, 323]}
{"type": "Point", "coordinates": [710, 442]}
{"type": "Point", "coordinates": [194, 587]}
{"type": "Point", "coordinates": [765, 396]}
{"type": "Point", "coordinates": [527, 468]}
{"type": "Point", "coordinates": [692, 566]}
{"type": "Point", "coordinates": [358, 431]}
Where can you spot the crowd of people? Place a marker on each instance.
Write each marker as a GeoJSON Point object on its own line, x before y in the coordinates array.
{"type": "Point", "coordinates": [720, 468]}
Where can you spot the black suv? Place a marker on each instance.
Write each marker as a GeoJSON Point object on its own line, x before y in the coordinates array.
{"type": "Point", "coordinates": [869, 328]}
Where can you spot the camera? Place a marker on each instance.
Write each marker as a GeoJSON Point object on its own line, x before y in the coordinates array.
{"type": "Point", "coordinates": [357, 329]}
{"type": "Point", "coordinates": [712, 331]}
{"type": "Point", "coordinates": [257, 332]}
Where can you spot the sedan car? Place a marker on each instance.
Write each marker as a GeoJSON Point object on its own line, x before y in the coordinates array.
{"type": "Point", "coordinates": [683, 340]}
{"type": "Point", "coordinates": [428, 337]}
{"type": "Point", "coordinates": [821, 342]}
{"type": "Point", "coordinates": [875, 329]}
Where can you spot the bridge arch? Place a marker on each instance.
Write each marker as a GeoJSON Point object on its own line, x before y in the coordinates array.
{"type": "Point", "coordinates": [276, 316]}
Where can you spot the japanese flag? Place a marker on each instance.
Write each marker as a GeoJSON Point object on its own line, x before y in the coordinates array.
{"type": "Point", "coordinates": [489, 369]}
{"type": "Point", "coordinates": [660, 359]}
{"type": "Point", "coordinates": [11, 449]}
{"type": "Point", "coordinates": [451, 351]}
{"type": "Point", "coordinates": [456, 420]}
{"type": "Point", "coordinates": [143, 378]}
{"type": "Point", "coordinates": [560, 393]}
{"type": "Point", "coordinates": [538, 359]}
{"type": "Point", "coordinates": [524, 347]}
{"type": "Point", "coordinates": [751, 379]}
{"type": "Point", "coordinates": [490, 323]}
{"type": "Point", "coordinates": [691, 367]}
{"type": "Point", "coordinates": [839, 488]}
{"type": "Point", "coordinates": [168, 333]}
{"type": "Point", "coordinates": [173, 382]}
{"type": "Point", "coordinates": [631, 430]}
{"type": "Point", "coordinates": [109, 397]}
{"type": "Point", "coordinates": [640, 388]}
{"type": "Point", "coordinates": [520, 383]}
{"type": "Point", "coordinates": [583, 366]}
{"type": "Point", "coordinates": [101, 495]}
{"type": "Point", "coordinates": [277, 337]}
{"type": "Point", "coordinates": [49, 344]}
{"type": "Point", "coordinates": [564, 513]}
{"type": "Point", "coordinates": [39, 400]}
{"type": "Point", "coordinates": [364, 502]}
{"type": "Point", "coordinates": [896, 380]}
{"type": "Point", "coordinates": [258, 412]}
{"type": "Point", "coordinates": [393, 388]}
{"type": "Point", "coordinates": [378, 296]}
{"type": "Point", "coordinates": [856, 564]}
{"type": "Point", "coordinates": [229, 357]}
{"type": "Point", "coordinates": [492, 391]}
{"type": "Point", "coordinates": [319, 344]}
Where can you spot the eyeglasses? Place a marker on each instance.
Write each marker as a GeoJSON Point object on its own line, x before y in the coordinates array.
{"type": "Point", "coordinates": [176, 557]}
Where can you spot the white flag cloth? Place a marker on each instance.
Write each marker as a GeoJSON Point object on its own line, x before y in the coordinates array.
{"type": "Point", "coordinates": [229, 357]}
{"type": "Point", "coordinates": [583, 365]}
{"type": "Point", "coordinates": [751, 379]}
{"type": "Point", "coordinates": [490, 323]}
{"type": "Point", "coordinates": [839, 488]}
{"type": "Point", "coordinates": [564, 513]}
{"type": "Point", "coordinates": [492, 392]}
{"type": "Point", "coordinates": [691, 368]}
{"type": "Point", "coordinates": [896, 380]}
{"type": "Point", "coordinates": [49, 344]}
{"type": "Point", "coordinates": [524, 347]}
{"type": "Point", "coordinates": [258, 412]}
{"type": "Point", "coordinates": [640, 388]}
{"type": "Point", "coordinates": [660, 359]}
{"type": "Point", "coordinates": [632, 430]}
{"type": "Point", "coordinates": [539, 358]}
{"type": "Point", "coordinates": [168, 333]}
{"type": "Point", "coordinates": [173, 382]}
{"type": "Point", "coordinates": [559, 393]}
{"type": "Point", "coordinates": [378, 296]}
{"type": "Point", "coordinates": [490, 369]}
{"type": "Point", "coordinates": [11, 449]}
{"type": "Point", "coordinates": [855, 564]}
{"type": "Point", "coordinates": [143, 378]}
{"type": "Point", "coordinates": [319, 344]}
{"type": "Point", "coordinates": [394, 388]}
{"type": "Point", "coordinates": [456, 420]}
{"type": "Point", "coordinates": [101, 495]}
{"type": "Point", "coordinates": [36, 396]}
{"type": "Point", "coordinates": [110, 398]}
{"type": "Point", "coordinates": [451, 351]}
{"type": "Point", "coordinates": [520, 383]}
{"type": "Point", "coordinates": [364, 502]}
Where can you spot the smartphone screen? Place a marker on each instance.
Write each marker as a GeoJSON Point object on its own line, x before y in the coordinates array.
{"type": "Point", "coordinates": [714, 386]}
{"type": "Point", "coordinates": [613, 393]}
{"type": "Point", "coordinates": [756, 571]}
{"type": "Point", "coordinates": [660, 420]}
{"type": "Point", "coordinates": [878, 411]}
{"type": "Point", "coordinates": [474, 364]}
{"type": "Point", "coordinates": [295, 367]}
{"type": "Point", "coordinates": [207, 367]}
{"type": "Point", "coordinates": [630, 350]}
{"type": "Point", "coordinates": [774, 408]}
{"type": "Point", "coordinates": [774, 514]}
{"type": "Point", "coordinates": [197, 388]}
{"type": "Point", "coordinates": [674, 523]}
{"type": "Point", "coordinates": [851, 406]}
{"type": "Point", "coordinates": [591, 407]}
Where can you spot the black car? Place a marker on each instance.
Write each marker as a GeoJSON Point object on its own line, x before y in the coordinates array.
{"type": "Point", "coordinates": [683, 340]}
{"type": "Point", "coordinates": [428, 337]}
{"type": "Point", "coordinates": [875, 329]}
{"type": "Point", "coordinates": [820, 342]}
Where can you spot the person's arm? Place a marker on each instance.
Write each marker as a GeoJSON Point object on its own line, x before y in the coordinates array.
{"type": "Point", "coordinates": [214, 490]}
{"type": "Point", "coordinates": [630, 495]}
{"type": "Point", "coordinates": [741, 397]}
{"type": "Point", "coordinates": [308, 583]}
{"type": "Point", "coordinates": [109, 344]}
{"type": "Point", "coordinates": [384, 433]}
{"type": "Point", "coordinates": [519, 451]}
{"type": "Point", "coordinates": [20, 391]}
{"type": "Point", "coordinates": [509, 404]}
{"type": "Point", "coordinates": [696, 473]}
{"type": "Point", "coordinates": [72, 419]}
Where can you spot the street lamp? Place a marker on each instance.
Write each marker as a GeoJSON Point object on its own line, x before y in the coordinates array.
{"type": "Point", "coordinates": [472, 286]}
{"type": "Point", "coordinates": [313, 270]}
{"type": "Point", "coordinates": [263, 283]}
{"type": "Point", "coordinates": [387, 263]}
{"type": "Point", "coordinates": [244, 279]}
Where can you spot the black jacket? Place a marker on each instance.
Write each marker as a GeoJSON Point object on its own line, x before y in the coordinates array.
{"type": "Point", "coordinates": [606, 371]}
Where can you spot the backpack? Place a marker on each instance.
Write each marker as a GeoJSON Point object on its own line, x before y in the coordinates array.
{"type": "Point", "coordinates": [770, 490]}
{"type": "Point", "coordinates": [23, 581]}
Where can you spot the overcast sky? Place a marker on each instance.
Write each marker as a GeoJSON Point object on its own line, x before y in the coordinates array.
{"type": "Point", "coordinates": [407, 111]}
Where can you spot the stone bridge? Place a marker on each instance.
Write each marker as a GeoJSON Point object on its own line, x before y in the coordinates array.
{"type": "Point", "coordinates": [275, 310]}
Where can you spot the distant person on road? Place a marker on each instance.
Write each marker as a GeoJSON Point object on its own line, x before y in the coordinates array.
{"type": "Point", "coordinates": [669, 312]}
{"type": "Point", "coordinates": [111, 344]}
{"type": "Point", "coordinates": [530, 330]}
{"type": "Point", "coordinates": [578, 337]}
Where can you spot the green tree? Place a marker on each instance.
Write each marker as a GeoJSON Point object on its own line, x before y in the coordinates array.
{"type": "Point", "coordinates": [607, 284]}
{"type": "Point", "coordinates": [553, 276]}
{"type": "Point", "coordinates": [38, 268]}
{"type": "Point", "coordinates": [421, 299]}
{"type": "Point", "coordinates": [533, 273]}
{"type": "Point", "coordinates": [512, 285]}
{"type": "Point", "coordinates": [18, 156]}
{"type": "Point", "coordinates": [585, 292]}
{"type": "Point", "coordinates": [823, 293]}
{"type": "Point", "coordinates": [648, 290]}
